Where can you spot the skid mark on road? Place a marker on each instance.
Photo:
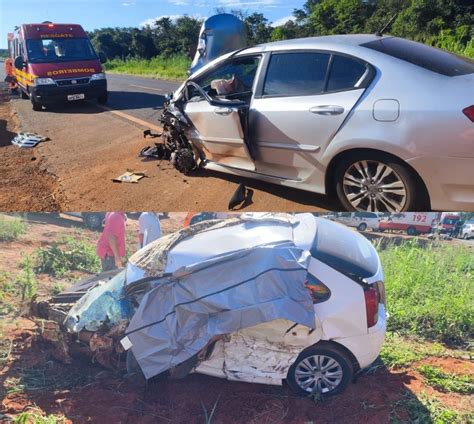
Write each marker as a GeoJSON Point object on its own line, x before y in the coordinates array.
{"type": "Point", "coordinates": [148, 88]}
{"type": "Point", "coordinates": [133, 119]}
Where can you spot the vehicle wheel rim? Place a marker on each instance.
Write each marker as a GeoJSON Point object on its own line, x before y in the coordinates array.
{"type": "Point", "coordinates": [374, 187]}
{"type": "Point", "coordinates": [318, 374]}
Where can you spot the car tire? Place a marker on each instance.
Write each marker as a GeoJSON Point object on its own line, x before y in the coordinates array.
{"type": "Point", "coordinates": [38, 107]}
{"type": "Point", "coordinates": [24, 95]}
{"type": "Point", "coordinates": [399, 173]}
{"type": "Point", "coordinates": [362, 227]}
{"type": "Point", "coordinates": [466, 237]}
{"type": "Point", "coordinates": [326, 352]}
{"type": "Point", "coordinates": [103, 99]}
{"type": "Point", "coordinates": [411, 231]}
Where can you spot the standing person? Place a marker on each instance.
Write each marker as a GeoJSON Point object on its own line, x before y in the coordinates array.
{"type": "Point", "coordinates": [149, 228]}
{"type": "Point", "coordinates": [111, 244]}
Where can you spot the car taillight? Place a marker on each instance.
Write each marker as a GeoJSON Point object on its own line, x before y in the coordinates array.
{"type": "Point", "coordinates": [469, 112]}
{"type": "Point", "coordinates": [372, 306]}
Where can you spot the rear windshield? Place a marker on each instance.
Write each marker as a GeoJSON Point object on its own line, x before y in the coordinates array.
{"type": "Point", "coordinates": [427, 57]}
{"type": "Point", "coordinates": [344, 250]}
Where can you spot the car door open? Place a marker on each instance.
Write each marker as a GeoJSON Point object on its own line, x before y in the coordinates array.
{"type": "Point", "coordinates": [223, 130]}
{"type": "Point", "coordinates": [218, 107]}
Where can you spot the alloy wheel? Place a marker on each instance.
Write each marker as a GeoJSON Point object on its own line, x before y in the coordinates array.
{"type": "Point", "coordinates": [318, 374]}
{"type": "Point", "coordinates": [374, 186]}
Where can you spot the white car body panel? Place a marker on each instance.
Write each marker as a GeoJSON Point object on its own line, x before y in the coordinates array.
{"type": "Point", "coordinates": [295, 148]}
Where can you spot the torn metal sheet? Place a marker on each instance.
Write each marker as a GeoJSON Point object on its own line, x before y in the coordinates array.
{"type": "Point", "coordinates": [28, 140]}
{"type": "Point", "coordinates": [260, 354]}
{"type": "Point", "coordinates": [177, 318]}
{"type": "Point", "coordinates": [105, 304]}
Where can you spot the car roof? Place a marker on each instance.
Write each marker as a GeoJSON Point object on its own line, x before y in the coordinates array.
{"type": "Point", "coordinates": [348, 41]}
{"type": "Point", "coordinates": [312, 42]}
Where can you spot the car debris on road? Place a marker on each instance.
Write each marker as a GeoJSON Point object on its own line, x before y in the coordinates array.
{"type": "Point", "coordinates": [276, 292]}
{"type": "Point", "coordinates": [129, 177]}
{"type": "Point", "coordinates": [28, 140]}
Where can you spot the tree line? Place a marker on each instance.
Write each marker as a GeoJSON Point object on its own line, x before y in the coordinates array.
{"type": "Point", "coordinates": [447, 24]}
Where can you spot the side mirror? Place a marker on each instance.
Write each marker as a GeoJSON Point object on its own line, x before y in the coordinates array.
{"type": "Point", "coordinates": [19, 62]}
{"type": "Point", "coordinates": [102, 57]}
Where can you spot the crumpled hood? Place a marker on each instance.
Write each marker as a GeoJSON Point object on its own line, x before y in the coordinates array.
{"type": "Point", "coordinates": [212, 238]}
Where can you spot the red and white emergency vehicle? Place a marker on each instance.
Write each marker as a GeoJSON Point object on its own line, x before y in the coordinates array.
{"type": "Point", "coordinates": [410, 222]}
{"type": "Point", "coordinates": [54, 63]}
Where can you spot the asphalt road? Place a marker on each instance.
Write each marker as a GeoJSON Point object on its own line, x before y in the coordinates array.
{"type": "Point", "coordinates": [90, 145]}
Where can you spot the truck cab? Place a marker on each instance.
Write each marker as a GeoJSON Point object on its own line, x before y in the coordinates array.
{"type": "Point", "coordinates": [56, 63]}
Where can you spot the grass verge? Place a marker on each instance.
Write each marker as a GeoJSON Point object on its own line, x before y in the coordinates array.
{"type": "Point", "coordinates": [425, 409]}
{"type": "Point", "coordinates": [446, 382]}
{"type": "Point", "coordinates": [73, 254]}
{"type": "Point", "coordinates": [11, 228]}
{"type": "Point", "coordinates": [430, 291]}
{"type": "Point", "coordinates": [172, 68]}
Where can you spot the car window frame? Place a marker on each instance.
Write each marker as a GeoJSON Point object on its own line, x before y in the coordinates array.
{"type": "Point", "coordinates": [367, 77]}
{"type": "Point", "coordinates": [225, 63]}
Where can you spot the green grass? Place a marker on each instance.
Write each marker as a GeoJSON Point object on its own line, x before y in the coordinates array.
{"type": "Point", "coordinates": [401, 351]}
{"type": "Point", "coordinates": [11, 229]}
{"type": "Point", "coordinates": [173, 68]}
{"type": "Point", "coordinates": [430, 292]}
{"type": "Point", "coordinates": [73, 254]}
{"type": "Point", "coordinates": [426, 410]}
{"type": "Point", "coordinates": [446, 382]}
{"type": "Point", "coordinates": [34, 418]}
{"type": "Point", "coordinates": [26, 280]}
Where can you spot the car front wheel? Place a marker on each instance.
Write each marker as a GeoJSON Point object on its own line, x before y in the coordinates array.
{"type": "Point", "coordinates": [320, 370]}
{"type": "Point", "coordinates": [368, 182]}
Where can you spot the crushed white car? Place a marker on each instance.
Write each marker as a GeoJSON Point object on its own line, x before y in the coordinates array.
{"type": "Point", "coordinates": [260, 298]}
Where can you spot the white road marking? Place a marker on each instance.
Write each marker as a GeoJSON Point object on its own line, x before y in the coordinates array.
{"type": "Point", "coordinates": [133, 119]}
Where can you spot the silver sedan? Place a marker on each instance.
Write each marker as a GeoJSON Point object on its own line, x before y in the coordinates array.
{"type": "Point", "coordinates": [384, 123]}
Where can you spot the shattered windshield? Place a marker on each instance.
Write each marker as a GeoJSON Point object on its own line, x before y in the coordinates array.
{"type": "Point", "coordinates": [60, 50]}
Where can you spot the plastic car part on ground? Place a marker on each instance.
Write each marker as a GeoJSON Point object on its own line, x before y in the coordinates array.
{"type": "Point", "coordinates": [129, 177]}
{"type": "Point", "coordinates": [28, 140]}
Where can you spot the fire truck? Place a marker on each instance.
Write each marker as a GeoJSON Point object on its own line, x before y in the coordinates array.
{"type": "Point", "coordinates": [55, 63]}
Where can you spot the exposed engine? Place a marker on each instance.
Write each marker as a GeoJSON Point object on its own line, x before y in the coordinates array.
{"type": "Point", "coordinates": [177, 146]}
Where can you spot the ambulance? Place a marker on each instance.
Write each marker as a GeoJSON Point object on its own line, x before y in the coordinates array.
{"type": "Point", "coordinates": [56, 63]}
{"type": "Point", "coordinates": [413, 223]}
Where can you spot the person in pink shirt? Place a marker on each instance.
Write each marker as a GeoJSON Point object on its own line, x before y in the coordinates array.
{"type": "Point", "coordinates": [111, 245]}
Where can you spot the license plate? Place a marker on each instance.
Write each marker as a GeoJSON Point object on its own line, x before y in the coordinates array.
{"type": "Point", "coordinates": [72, 97]}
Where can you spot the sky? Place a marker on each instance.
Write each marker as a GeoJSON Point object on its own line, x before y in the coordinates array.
{"type": "Point", "coordinates": [92, 14]}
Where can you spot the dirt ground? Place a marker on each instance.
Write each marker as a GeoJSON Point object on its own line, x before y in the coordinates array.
{"type": "Point", "coordinates": [86, 393]}
{"type": "Point", "coordinates": [26, 183]}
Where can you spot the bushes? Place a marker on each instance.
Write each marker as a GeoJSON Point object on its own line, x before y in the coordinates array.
{"type": "Point", "coordinates": [174, 67]}
{"type": "Point", "coordinates": [430, 292]}
{"type": "Point", "coordinates": [11, 229]}
{"type": "Point", "coordinates": [72, 255]}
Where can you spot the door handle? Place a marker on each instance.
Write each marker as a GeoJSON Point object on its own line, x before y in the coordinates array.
{"type": "Point", "coordinates": [327, 110]}
{"type": "Point", "coordinates": [223, 111]}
